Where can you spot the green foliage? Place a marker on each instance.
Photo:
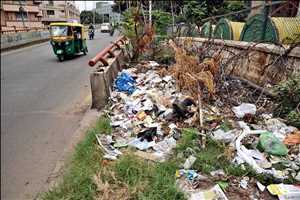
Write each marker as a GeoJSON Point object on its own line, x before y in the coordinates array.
{"type": "Point", "coordinates": [294, 118]}
{"type": "Point", "coordinates": [161, 21]}
{"type": "Point", "coordinates": [289, 100]}
{"type": "Point", "coordinates": [223, 184]}
{"type": "Point", "coordinates": [232, 6]}
{"type": "Point", "coordinates": [133, 27]}
{"type": "Point", "coordinates": [148, 180]}
{"type": "Point", "coordinates": [87, 17]}
{"type": "Point", "coordinates": [188, 139]}
{"type": "Point", "coordinates": [127, 24]}
{"type": "Point", "coordinates": [194, 11]}
{"type": "Point", "coordinates": [210, 158]}
{"type": "Point", "coordinates": [131, 170]}
{"type": "Point", "coordinates": [162, 183]}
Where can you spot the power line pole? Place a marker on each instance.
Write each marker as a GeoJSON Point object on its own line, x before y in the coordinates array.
{"type": "Point", "coordinates": [94, 13]}
{"type": "Point", "coordinates": [150, 12]}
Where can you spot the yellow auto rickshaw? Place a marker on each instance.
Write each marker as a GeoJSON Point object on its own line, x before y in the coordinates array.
{"type": "Point", "coordinates": [68, 39]}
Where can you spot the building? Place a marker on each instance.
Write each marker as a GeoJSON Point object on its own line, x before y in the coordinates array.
{"type": "Point", "coordinates": [18, 15]}
{"type": "Point", "coordinates": [105, 9]}
{"type": "Point", "coordinates": [59, 11]}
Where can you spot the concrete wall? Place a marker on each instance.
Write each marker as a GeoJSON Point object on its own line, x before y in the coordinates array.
{"type": "Point", "coordinates": [259, 63]}
{"type": "Point", "coordinates": [102, 78]}
{"type": "Point", "coordinates": [23, 38]}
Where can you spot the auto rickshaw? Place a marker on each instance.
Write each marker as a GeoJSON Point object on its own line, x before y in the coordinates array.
{"type": "Point", "coordinates": [68, 39]}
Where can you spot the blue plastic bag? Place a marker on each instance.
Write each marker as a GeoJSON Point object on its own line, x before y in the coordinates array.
{"type": "Point", "coordinates": [125, 83]}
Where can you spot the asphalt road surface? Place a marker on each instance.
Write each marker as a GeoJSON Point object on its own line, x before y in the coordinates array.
{"type": "Point", "coordinates": [42, 101]}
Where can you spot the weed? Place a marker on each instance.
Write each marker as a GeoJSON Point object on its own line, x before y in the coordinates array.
{"type": "Point", "coordinates": [162, 183]}
{"type": "Point", "coordinates": [131, 170]}
{"type": "Point", "coordinates": [77, 181]}
{"type": "Point", "coordinates": [103, 126]}
{"type": "Point", "coordinates": [210, 158]}
{"type": "Point", "coordinates": [148, 180]}
{"type": "Point", "coordinates": [187, 140]}
{"type": "Point", "coordinates": [288, 101]}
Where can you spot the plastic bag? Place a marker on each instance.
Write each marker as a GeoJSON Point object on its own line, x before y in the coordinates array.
{"type": "Point", "coordinates": [272, 145]}
{"type": "Point", "coordinates": [125, 83]}
{"type": "Point", "coordinates": [284, 191]}
{"type": "Point", "coordinates": [243, 109]}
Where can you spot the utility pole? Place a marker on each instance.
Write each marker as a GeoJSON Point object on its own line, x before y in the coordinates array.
{"type": "Point", "coordinates": [94, 13]}
{"type": "Point", "coordinates": [150, 12]}
{"type": "Point", "coordinates": [173, 19]}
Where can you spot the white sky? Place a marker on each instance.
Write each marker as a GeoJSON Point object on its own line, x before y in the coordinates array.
{"type": "Point", "coordinates": [89, 5]}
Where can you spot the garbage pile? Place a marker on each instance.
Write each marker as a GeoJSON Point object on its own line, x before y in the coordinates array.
{"type": "Point", "coordinates": [144, 114]}
{"type": "Point", "coordinates": [148, 111]}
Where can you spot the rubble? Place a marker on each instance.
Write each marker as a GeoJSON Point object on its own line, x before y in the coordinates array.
{"type": "Point", "coordinates": [150, 106]}
{"type": "Point", "coordinates": [211, 194]}
{"type": "Point", "coordinates": [189, 162]}
{"type": "Point", "coordinates": [243, 109]}
{"type": "Point", "coordinates": [284, 191]}
{"type": "Point", "coordinates": [260, 186]}
{"type": "Point", "coordinates": [272, 145]}
{"type": "Point", "coordinates": [244, 183]}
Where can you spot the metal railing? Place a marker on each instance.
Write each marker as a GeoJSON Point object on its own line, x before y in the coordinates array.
{"type": "Point", "coordinates": [107, 52]}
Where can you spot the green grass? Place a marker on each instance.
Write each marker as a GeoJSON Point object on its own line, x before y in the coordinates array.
{"type": "Point", "coordinates": [149, 180]}
{"type": "Point", "coordinates": [211, 157]}
{"type": "Point", "coordinates": [188, 140]}
{"type": "Point", "coordinates": [143, 180]}
{"type": "Point", "coordinates": [77, 181]}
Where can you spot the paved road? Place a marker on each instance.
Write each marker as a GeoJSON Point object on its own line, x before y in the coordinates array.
{"type": "Point", "coordinates": [42, 101]}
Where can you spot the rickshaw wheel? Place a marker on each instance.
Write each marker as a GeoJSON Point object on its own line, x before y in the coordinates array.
{"type": "Point", "coordinates": [60, 58]}
{"type": "Point", "coordinates": [85, 51]}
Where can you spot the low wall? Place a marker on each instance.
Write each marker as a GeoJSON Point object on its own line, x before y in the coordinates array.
{"type": "Point", "coordinates": [257, 62]}
{"type": "Point", "coordinates": [19, 39]}
{"type": "Point", "coordinates": [102, 78]}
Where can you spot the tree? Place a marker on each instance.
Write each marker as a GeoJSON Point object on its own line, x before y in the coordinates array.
{"type": "Point", "coordinates": [87, 17]}
{"type": "Point", "coordinates": [194, 11]}
{"type": "Point", "coordinates": [119, 6]}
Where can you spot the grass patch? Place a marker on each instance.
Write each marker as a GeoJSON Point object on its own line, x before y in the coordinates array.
{"type": "Point", "coordinates": [188, 140]}
{"type": "Point", "coordinates": [212, 157]}
{"type": "Point", "coordinates": [148, 180]}
{"type": "Point", "coordinates": [129, 176]}
{"type": "Point", "coordinates": [77, 181]}
{"type": "Point", "coordinates": [87, 177]}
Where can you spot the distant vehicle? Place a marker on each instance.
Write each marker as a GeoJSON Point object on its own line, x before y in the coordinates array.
{"type": "Point", "coordinates": [67, 39]}
{"type": "Point", "coordinates": [105, 27]}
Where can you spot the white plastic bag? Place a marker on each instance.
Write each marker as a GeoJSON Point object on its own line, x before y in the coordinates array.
{"type": "Point", "coordinates": [243, 109]}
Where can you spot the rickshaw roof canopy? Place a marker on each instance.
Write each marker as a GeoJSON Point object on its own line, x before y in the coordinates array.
{"type": "Point", "coordinates": [66, 24]}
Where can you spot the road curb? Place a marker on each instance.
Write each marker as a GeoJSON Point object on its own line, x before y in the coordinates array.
{"type": "Point", "coordinates": [88, 120]}
{"type": "Point", "coordinates": [20, 46]}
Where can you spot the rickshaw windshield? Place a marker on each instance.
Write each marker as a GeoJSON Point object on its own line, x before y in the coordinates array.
{"type": "Point", "coordinates": [60, 31]}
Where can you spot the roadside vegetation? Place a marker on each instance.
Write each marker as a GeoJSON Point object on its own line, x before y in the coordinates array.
{"type": "Point", "coordinates": [77, 181]}
{"type": "Point", "coordinates": [89, 176]}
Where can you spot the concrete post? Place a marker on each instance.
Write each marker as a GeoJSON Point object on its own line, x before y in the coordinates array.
{"type": "Point", "coordinates": [98, 89]}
